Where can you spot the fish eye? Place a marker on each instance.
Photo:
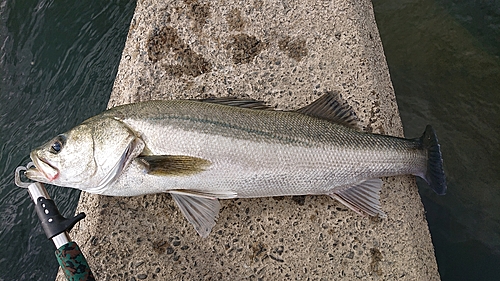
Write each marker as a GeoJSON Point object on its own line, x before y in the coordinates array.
{"type": "Point", "coordinates": [58, 144]}
{"type": "Point", "coordinates": [56, 147]}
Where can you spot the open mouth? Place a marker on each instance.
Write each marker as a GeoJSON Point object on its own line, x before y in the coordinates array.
{"type": "Point", "coordinates": [43, 171]}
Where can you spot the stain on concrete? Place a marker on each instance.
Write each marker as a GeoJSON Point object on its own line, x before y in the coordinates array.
{"type": "Point", "coordinates": [160, 246]}
{"type": "Point", "coordinates": [296, 49]}
{"type": "Point", "coordinates": [258, 251]}
{"type": "Point", "coordinates": [244, 48]}
{"type": "Point", "coordinates": [199, 13]}
{"type": "Point", "coordinates": [376, 256]}
{"type": "Point", "coordinates": [235, 21]}
{"type": "Point", "coordinates": [166, 42]}
{"type": "Point", "coordinates": [160, 42]}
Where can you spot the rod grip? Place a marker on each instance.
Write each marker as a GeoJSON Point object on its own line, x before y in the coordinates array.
{"type": "Point", "coordinates": [73, 263]}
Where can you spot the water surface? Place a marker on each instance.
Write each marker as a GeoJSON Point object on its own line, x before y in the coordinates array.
{"type": "Point", "coordinates": [58, 62]}
{"type": "Point", "coordinates": [444, 62]}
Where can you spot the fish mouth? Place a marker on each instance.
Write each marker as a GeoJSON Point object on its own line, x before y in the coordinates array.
{"type": "Point", "coordinates": [43, 170]}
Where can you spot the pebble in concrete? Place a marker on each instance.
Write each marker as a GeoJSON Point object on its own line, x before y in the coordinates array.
{"type": "Point", "coordinates": [286, 53]}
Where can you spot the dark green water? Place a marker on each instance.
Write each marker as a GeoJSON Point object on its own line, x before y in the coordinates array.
{"type": "Point", "coordinates": [444, 61]}
{"type": "Point", "coordinates": [58, 62]}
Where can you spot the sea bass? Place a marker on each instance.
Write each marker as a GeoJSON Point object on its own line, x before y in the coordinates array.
{"type": "Point", "coordinates": [200, 151]}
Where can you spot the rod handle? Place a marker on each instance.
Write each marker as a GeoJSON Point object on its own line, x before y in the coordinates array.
{"type": "Point", "coordinates": [73, 263]}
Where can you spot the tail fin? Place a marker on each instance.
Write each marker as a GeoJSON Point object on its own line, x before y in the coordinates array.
{"type": "Point", "coordinates": [435, 174]}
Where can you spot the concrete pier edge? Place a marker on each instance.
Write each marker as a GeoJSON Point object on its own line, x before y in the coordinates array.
{"type": "Point", "coordinates": [286, 53]}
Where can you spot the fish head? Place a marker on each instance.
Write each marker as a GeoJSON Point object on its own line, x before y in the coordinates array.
{"type": "Point", "coordinates": [89, 157]}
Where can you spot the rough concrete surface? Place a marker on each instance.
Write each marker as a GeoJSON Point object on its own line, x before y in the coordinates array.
{"type": "Point", "coordinates": [286, 53]}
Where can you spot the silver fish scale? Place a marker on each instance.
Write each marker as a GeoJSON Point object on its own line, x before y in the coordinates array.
{"type": "Point", "coordinates": [256, 153]}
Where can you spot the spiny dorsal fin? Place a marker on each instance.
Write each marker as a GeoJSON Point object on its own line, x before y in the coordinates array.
{"type": "Point", "coordinates": [363, 197]}
{"type": "Point", "coordinates": [173, 165]}
{"type": "Point", "coordinates": [331, 108]}
{"type": "Point", "coordinates": [244, 103]}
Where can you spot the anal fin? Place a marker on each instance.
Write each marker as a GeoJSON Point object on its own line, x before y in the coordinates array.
{"type": "Point", "coordinates": [363, 198]}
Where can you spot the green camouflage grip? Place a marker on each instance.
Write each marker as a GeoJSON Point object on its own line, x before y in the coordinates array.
{"type": "Point", "coordinates": [73, 263]}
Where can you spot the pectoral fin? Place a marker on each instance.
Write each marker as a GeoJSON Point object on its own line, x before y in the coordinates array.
{"type": "Point", "coordinates": [200, 211]}
{"type": "Point", "coordinates": [173, 165]}
{"type": "Point", "coordinates": [363, 198]}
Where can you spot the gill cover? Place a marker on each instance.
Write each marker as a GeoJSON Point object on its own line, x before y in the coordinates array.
{"type": "Point", "coordinates": [91, 157]}
{"type": "Point", "coordinates": [114, 147]}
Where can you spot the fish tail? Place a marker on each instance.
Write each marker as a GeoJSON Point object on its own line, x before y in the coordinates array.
{"type": "Point", "coordinates": [434, 176]}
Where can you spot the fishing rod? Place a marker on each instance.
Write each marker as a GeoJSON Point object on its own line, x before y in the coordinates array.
{"type": "Point", "coordinates": [56, 228]}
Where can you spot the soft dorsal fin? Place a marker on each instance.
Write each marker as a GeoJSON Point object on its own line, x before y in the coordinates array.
{"type": "Point", "coordinates": [244, 103]}
{"type": "Point", "coordinates": [331, 108]}
{"type": "Point", "coordinates": [172, 165]}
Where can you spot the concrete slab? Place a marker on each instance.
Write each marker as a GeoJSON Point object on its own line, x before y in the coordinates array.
{"type": "Point", "coordinates": [286, 53]}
